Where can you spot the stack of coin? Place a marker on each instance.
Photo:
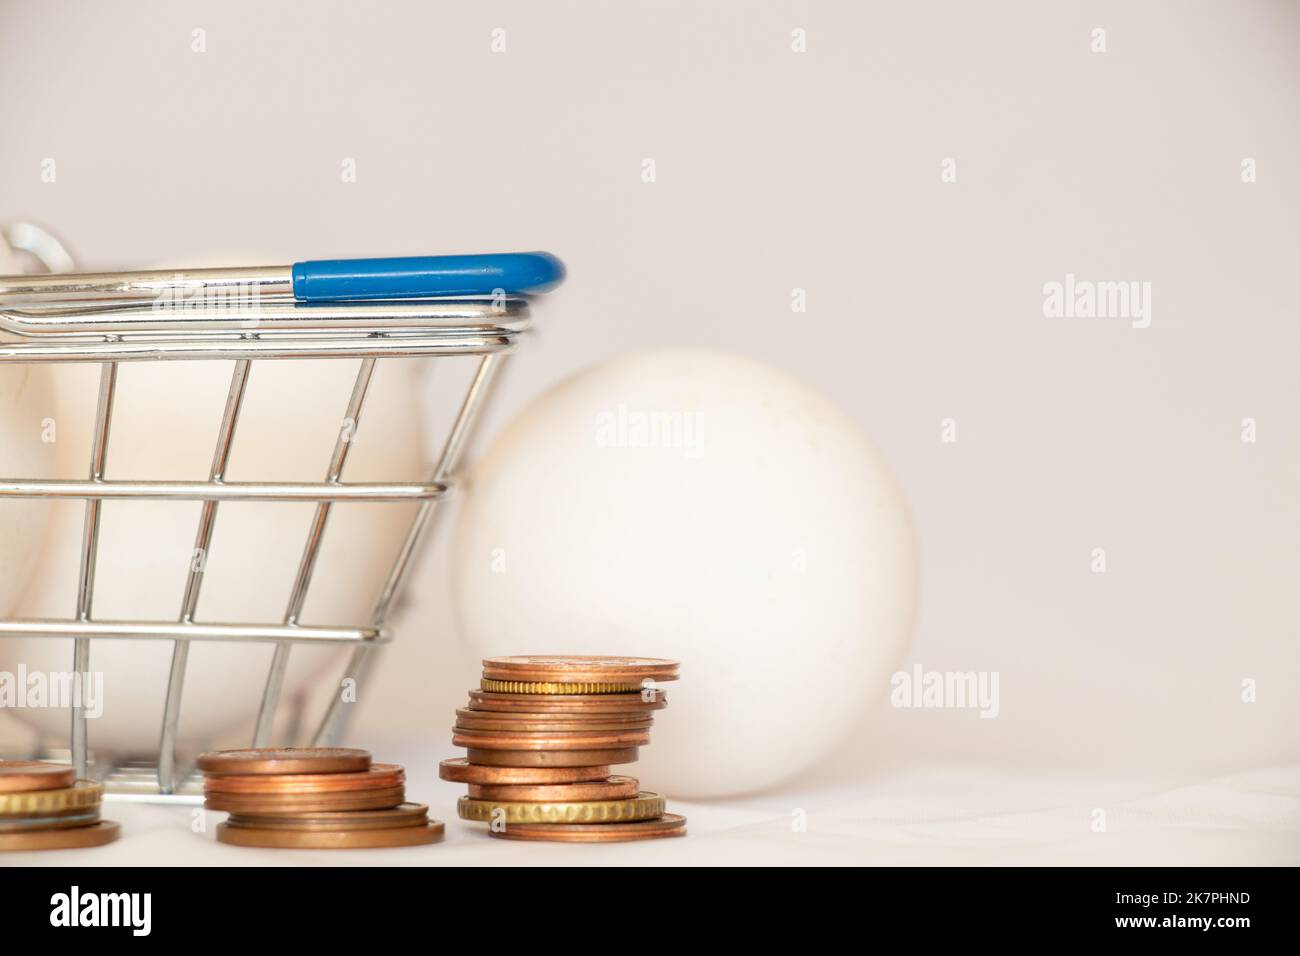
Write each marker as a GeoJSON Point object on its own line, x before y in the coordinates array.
{"type": "Point", "coordinates": [541, 734]}
{"type": "Point", "coordinates": [43, 806]}
{"type": "Point", "coordinates": [312, 798]}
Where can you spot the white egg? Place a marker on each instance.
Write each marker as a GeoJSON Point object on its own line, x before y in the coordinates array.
{"type": "Point", "coordinates": [164, 425]}
{"type": "Point", "coordinates": [708, 508]}
{"type": "Point", "coordinates": [26, 411]}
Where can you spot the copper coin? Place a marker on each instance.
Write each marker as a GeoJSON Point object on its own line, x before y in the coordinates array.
{"type": "Point", "coordinates": [565, 723]}
{"type": "Point", "coordinates": [22, 776]}
{"type": "Point", "coordinates": [380, 776]}
{"type": "Point", "coordinates": [97, 834]}
{"type": "Point", "coordinates": [406, 815]}
{"type": "Point", "coordinates": [431, 832]}
{"type": "Point", "coordinates": [651, 698]}
{"type": "Point", "coordinates": [519, 740]}
{"type": "Point", "coordinates": [82, 818]}
{"type": "Point", "coordinates": [575, 670]}
{"type": "Point", "coordinates": [460, 770]}
{"type": "Point", "coordinates": [286, 760]}
{"type": "Point", "coordinates": [552, 758]}
{"type": "Point", "coordinates": [611, 788]}
{"type": "Point", "coordinates": [265, 804]}
{"type": "Point", "coordinates": [668, 825]}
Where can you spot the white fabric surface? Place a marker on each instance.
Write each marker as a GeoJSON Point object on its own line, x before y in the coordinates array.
{"type": "Point", "coordinates": [913, 815]}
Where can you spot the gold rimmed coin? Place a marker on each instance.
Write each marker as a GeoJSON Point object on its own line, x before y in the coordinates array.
{"type": "Point", "coordinates": [611, 788]}
{"type": "Point", "coordinates": [81, 818]}
{"type": "Point", "coordinates": [551, 758]}
{"type": "Point", "coordinates": [553, 742]}
{"type": "Point", "coordinates": [469, 725]}
{"type": "Point", "coordinates": [22, 776]}
{"type": "Point", "coordinates": [83, 793]}
{"type": "Point", "coordinates": [564, 723]}
{"type": "Point", "coordinates": [668, 825]}
{"type": "Point", "coordinates": [71, 811]}
{"type": "Point", "coordinates": [556, 687]}
{"type": "Point", "coordinates": [460, 770]}
{"type": "Point", "coordinates": [406, 815]}
{"type": "Point", "coordinates": [265, 804]}
{"type": "Point", "coordinates": [650, 698]}
{"type": "Point", "coordinates": [430, 832]}
{"type": "Point", "coordinates": [644, 806]}
{"type": "Point", "coordinates": [380, 776]}
{"type": "Point", "coordinates": [286, 760]}
{"type": "Point", "coordinates": [580, 669]}
{"type": "Point", "coordinates": [97, 834]}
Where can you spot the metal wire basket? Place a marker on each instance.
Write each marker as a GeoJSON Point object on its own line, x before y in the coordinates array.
{"type": "Point", "coordinates": [361, 309]}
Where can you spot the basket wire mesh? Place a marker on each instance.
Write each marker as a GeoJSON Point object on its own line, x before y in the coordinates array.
{"type": "Point", "coordinates": [114, 318]}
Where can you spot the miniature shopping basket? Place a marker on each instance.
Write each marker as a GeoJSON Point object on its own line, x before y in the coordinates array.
{"type": "Point", "coordinates": [366, 309]}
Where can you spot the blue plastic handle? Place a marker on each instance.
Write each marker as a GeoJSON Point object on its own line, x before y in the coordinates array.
{"type": "Point", "coordinates": [426, 276]}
